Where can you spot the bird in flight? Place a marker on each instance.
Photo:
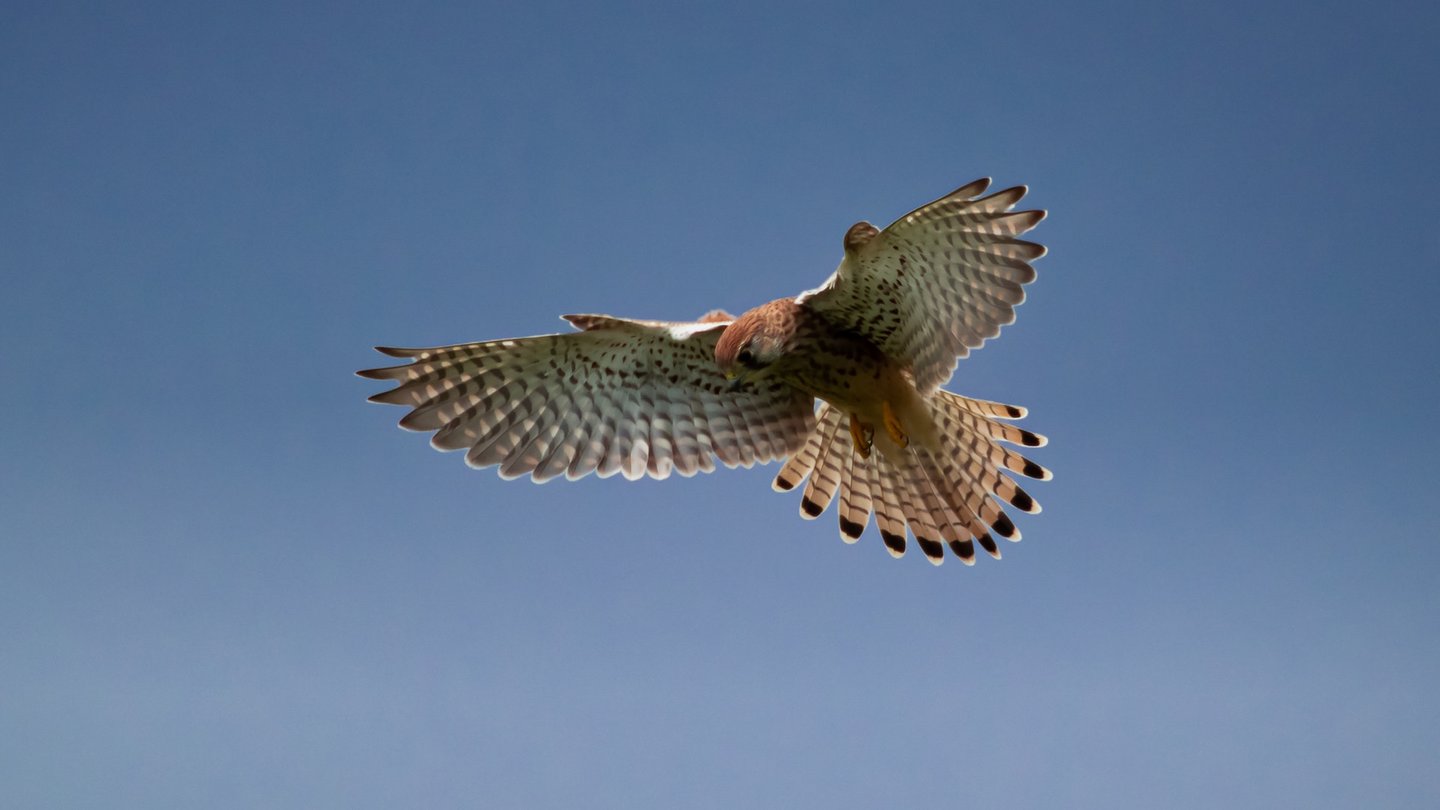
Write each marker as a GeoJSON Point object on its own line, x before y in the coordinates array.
{"type": "Point", "coordinates": [872, 345]}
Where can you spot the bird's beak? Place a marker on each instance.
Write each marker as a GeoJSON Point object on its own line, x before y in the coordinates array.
{"type": "Point", "coordinates": [736, 378]}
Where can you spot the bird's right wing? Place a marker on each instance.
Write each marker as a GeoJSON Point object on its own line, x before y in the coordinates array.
{"type": "Point", "coordinates": [633, 397]}
{"type": "Point", "coordinates": [936, 283]}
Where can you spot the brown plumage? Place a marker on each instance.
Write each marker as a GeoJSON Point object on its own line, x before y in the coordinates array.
{"type": "Point", "coordinates": [873, 345]}
{"type": "Point", "coordinates": [795, 344]}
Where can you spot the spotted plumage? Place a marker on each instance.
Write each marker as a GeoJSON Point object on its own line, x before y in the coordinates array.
{"type": "Point", "coordinates": [873, 345]}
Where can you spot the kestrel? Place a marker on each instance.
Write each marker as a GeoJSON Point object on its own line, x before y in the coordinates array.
{"type": "Point", "coordinates": [873, 345]}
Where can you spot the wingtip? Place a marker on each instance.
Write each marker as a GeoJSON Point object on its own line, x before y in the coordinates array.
{"type": "Point", "coordinates": [1027, 220]}
{"type": "Point", "coordinates": [392, 351]}
{"type": "Point", "coordinates": [1027, 250]}
{"type": "Point", "coordinates": [410, 423]}
{"type": "Point", "coordinates": [972, 189]}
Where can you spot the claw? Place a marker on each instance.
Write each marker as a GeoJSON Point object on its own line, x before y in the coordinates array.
{"type": "Point", "coordinates": [862, 435]}
{"type": "Point", "coordinates": [892, 425]}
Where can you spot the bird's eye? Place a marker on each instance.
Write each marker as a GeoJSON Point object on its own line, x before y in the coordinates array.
{"type": "Point", "coordinates": [745, 357]}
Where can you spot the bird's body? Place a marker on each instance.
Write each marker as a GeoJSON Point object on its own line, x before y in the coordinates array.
{"type": "Point", "coordinates": [873, 345]}
{"type": "Point", "coordinates": [838, 366]}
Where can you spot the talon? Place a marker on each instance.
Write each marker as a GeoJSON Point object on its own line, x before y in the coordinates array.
{"type": "Point", "coordinates": [862, 435]}
{"type": "Point", "coordinates": [892, 425]}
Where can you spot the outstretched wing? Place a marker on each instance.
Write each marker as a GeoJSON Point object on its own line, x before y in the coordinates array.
{"type": "Point", "coordinates": [938, 282]}
{"type": "Point", "coordinates": [633, 397]}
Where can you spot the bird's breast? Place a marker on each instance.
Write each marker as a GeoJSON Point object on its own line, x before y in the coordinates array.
{"type": "Point", "coordinates": [841, 368]}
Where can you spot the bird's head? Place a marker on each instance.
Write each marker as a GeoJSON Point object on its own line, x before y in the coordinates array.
{"type": "Point", "coordinates": [753, 342]}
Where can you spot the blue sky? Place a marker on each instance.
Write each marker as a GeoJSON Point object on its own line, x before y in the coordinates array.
{"type": "Point", "coordinates": [228, 581]}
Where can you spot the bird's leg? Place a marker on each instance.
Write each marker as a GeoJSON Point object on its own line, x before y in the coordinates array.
{"type": "Point", "coordinates": [862, 435]}
{"type": "Point", "coordinates": [892, 425]}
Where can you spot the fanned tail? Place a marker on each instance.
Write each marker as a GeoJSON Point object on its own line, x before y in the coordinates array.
{"type": "Point", "coordinates": [952, 495]}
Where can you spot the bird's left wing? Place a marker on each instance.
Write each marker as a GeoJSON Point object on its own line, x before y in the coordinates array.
{"type": "Point", "coordinates": [937, 282]}
{"type": "Point", "coordinates": [633, 397]}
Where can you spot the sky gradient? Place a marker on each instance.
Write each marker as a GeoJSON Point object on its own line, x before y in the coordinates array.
{"type": "Point", "coordinates": [228, 581]}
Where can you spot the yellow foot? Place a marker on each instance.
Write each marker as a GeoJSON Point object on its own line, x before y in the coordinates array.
{"type": "Point", "coordinates": [862, 435]}
{"type": "Point", "coordinates": [892, 425]}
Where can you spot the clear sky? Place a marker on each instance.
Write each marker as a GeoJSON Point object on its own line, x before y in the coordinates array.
{"type": "Point", "coordinates": [228, 581]}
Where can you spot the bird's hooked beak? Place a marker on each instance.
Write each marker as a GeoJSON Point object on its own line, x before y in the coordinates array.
{"type": "Point", "coordinates": [736, 377]}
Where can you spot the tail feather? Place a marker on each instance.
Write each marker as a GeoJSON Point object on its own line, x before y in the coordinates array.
{"type": "Point", "coordinates": [965, 526]}
{"type": "Point", "coordinates": [953, 493]}
{"type": "Point", "coordinates": [910, 491]}
{"type": "Point", "coordinates": [937, 518]}
{"type": "Point", "coordinates": [803, 461]}
{"type": "Point", "coordinates": [825, 478]}
{"type": "Point", "coordinates": [985, 407]}
{"type": "Point", "coordinates": [855, 500]}
{"type": "Point", "coordinates": [889, 517]}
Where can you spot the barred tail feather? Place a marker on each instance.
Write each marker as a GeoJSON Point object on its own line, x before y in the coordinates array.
{"type": "Point", "coordinates": [799, 465]}
{"type": "Point", "coordinates": [953, 494]}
